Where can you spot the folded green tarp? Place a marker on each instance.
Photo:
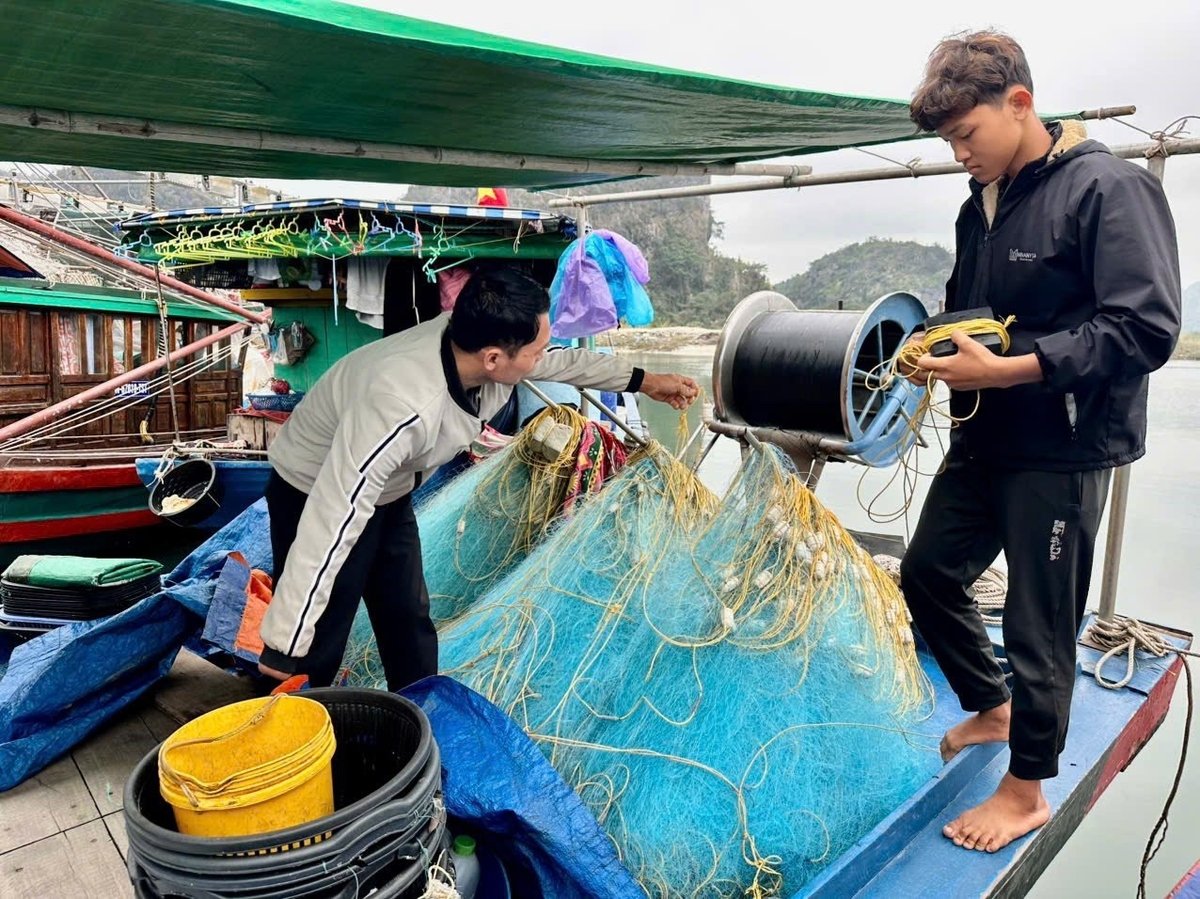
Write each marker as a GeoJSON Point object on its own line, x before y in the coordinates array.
{"type": "Point", "coordinates": [77, 571]}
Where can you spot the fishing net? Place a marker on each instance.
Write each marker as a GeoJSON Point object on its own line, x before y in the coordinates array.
{"type": "Point", "coordinates": [485, 521]}
{"type": "Point", "coordinates": [731, 687]}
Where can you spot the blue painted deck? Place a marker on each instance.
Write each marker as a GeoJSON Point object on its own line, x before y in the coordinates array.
{"type": "Point", "coordinates": [906, 855]}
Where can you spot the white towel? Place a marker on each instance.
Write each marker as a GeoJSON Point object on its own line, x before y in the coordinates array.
{"type": "Point", "coordinates": [364, 283]}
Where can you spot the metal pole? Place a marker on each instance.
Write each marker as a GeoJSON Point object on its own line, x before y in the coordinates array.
{"type": "Point", "coordinates": [1173, 147]}
{"type": "Point", "coordinates": [1119, 492]}
{"type": "Point", "coordinates": [29, 223]}
{"type": "Point", "coordinates": [581, 226]}
{"type": "Point", "coordinates": [695, 190]}
{"type": "Point", "coordinates": [67, 122]}
{"type": "Point", "coordinates": [537, 391]}
{"type": "Point", "coordinates": [164, 330]}
{"type": "Point", "coordinates": [595, 400]}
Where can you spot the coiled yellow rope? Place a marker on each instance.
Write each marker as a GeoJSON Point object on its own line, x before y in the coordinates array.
{"type": "Point", "coordinates": [906, 360]}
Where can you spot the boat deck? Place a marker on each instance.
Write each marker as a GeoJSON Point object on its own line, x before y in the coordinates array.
{"type": "Point", "coordinates": [62, 832]}
{"type": "Point", "coordinates": [906, 855]}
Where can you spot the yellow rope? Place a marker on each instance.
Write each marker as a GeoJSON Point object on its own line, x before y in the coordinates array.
{"type": "Point", "coordinates": [906, 359]}
{"type": "Point", "coordinates": [903, 366]}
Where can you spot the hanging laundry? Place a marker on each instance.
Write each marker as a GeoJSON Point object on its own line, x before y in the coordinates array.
{"type": "Point", "coordinates": [451, 281]}
{"type": "Point", "coordinates": [263, 271]}
{"type": "Point", "coordinates": [365, 278]}
{"type": "Point", "coordinates": [598, 283]}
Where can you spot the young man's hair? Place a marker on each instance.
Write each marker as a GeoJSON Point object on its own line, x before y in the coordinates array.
{"type": "Point", "coordinates": [964, 71]}
{"type": "Point", "coordinates": [498, 307]}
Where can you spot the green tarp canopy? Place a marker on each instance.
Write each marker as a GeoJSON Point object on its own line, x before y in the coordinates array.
{"type": "Point", "coordinates": [317, 89]}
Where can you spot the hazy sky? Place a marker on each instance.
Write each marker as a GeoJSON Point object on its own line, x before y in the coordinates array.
{"type": "Point", "coordinates": [1142, 54]}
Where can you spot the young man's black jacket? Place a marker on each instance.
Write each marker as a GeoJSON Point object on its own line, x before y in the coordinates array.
{"type": "Point", "coordinates": [1081, 248]}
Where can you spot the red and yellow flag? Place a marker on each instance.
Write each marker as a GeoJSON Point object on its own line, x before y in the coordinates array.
{"type": "Point", "coordinates": [491, 196]}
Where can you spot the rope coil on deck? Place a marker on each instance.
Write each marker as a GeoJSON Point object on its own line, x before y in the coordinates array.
{"type": "Point", "coordinates": [1128, 635]}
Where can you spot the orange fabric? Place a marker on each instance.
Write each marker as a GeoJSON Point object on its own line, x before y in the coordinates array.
{"type": "Point", "coordinates": [258, 597]}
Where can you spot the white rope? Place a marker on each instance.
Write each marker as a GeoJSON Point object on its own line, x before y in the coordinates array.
{"type": "Point", "coordinates": [1128, 636]}
{"type": "Point", "coordinates": [990, 592]}
{"type": "Point", "coordinates": [990, 589]}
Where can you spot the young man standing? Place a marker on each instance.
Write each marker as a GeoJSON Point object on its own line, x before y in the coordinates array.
{"type": "Point", "coordinates": [1080, 247]}
{"type": "Point", "coordinates": [381, 419]}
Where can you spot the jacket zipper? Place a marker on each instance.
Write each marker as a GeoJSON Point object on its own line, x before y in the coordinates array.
{"type": "Point", "coordinates": [984, 280]}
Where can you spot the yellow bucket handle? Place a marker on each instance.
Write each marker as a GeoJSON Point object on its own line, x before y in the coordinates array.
{"type": "Point", "coordinates": [185, 783]}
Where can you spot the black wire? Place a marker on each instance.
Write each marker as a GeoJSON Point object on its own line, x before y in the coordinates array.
{"type": "Point", "coordinates": [1160, 828]}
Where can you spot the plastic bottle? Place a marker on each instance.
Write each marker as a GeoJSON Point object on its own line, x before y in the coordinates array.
{"type": "Point", "coordinates": [466, 867]}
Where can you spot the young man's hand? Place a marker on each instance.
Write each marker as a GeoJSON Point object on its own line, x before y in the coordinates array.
{"type": "Point", "coordinates": [675, 390]}
{"type": "Point", "coordinates": [975, 367]}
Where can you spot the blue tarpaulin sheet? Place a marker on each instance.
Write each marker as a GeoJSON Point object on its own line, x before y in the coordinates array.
{"type": "Point", "coordinates": [496, 779]}
{"type": "Point", "coordinates": [61, 686]}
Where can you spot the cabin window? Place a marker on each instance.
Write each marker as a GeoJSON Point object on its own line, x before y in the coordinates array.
{"type": "Point", "coordinates": [217, 353]}
{"type": "Point", "coordinates": [136, 337]}
{"type": "Point", "coordinates": [93, 344]}
{"type": "Point", "coordinates": [178, 337]}
{"type": "Point", "coordinates": [119, 326]}
{"type": "Point", "coordinates": [154, 338]}
{"type": "Point", "coordinates": [68, 345]}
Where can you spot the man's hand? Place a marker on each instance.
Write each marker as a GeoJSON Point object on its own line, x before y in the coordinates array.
{"type": "Point", "coordinates": [675, 390]}
{"type": "Point", "coordinates": [273, 672]}
{"type": "Point", "coordinates": [975, 367]}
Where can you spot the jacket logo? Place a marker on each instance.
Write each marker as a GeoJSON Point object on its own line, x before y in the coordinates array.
{"type": "Point", "coordinates": [1021, 256]}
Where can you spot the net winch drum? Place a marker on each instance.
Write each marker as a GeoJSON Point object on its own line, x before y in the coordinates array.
{"type": "Point", "coordinates": [819, 373]}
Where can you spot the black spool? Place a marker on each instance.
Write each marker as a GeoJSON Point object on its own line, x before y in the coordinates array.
{"type": "Point", "coordinates": [816, 371]}
{"type": "Point", "coordinates": [787, 370]}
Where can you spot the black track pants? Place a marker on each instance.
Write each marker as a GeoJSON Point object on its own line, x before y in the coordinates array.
{"type": "Point", "coordinates": [1046, 524]}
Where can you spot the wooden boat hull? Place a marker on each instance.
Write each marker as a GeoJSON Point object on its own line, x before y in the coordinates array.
{"type": "Point", "coordinates": [47, 502]}
{"type": "Point", "coordinates": [1189, 886]}
{"type": "Point", "coordinates": [242, 484]}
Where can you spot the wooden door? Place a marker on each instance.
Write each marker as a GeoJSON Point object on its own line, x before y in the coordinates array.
{"type": "Point", "coordinates": [216, 390]}
{"type": "Point", "coordinates": [25, 376]}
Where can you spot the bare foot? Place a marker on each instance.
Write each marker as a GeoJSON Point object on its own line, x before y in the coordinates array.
{"type": "Point", "coordinates": [982, 727]}
{"type": "Point", "coordinates": [1016, 808]}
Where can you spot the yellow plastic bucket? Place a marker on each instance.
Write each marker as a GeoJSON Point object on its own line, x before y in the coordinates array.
{"type": "Point", "coordinates": [249, 768]}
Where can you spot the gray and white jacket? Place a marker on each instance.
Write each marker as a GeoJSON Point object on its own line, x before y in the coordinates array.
{"type": "Point", "coordinates": [379, 421]}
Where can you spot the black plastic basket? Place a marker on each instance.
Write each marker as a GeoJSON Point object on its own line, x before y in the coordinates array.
{"type": "Point", "coordinates": [232, 275]}
{"type": "Point", "coordinates": [388, 824]}
{"type": "Point", "coordinates": [194, 479]}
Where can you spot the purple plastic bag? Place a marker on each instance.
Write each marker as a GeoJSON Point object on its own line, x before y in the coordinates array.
{"type": "Point", "coordinates": [581, 304]}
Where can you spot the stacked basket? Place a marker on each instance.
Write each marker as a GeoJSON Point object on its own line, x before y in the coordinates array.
{"type": "Point", "coordinates": [387, 828]}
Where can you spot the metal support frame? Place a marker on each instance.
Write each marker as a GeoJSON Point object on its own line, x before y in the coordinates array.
{"type": "Point", "coordinates": [71, 122]}
{"type": "Point", "coordinates": [541, 395]}
{"type": "Point", "coordinates": [1150, 150]}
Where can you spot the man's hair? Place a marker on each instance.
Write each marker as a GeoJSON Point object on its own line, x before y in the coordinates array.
{"type": "Point", "coordinates": [964, 71]}
{"type": "Point", "coordinates": [498, 307]}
